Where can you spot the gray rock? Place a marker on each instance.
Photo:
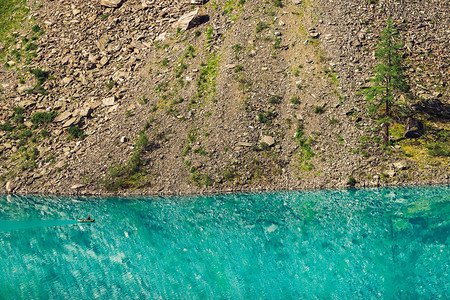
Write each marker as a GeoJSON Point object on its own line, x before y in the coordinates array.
{"type": "Point", "coordinates": [296, 2]}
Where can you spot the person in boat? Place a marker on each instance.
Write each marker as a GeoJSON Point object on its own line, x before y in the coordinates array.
{"type": "Point", "coordinates": [89, 217]}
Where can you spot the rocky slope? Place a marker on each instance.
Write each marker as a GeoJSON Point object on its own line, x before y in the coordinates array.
{"type": "Point", "coordinates": [252, 95]}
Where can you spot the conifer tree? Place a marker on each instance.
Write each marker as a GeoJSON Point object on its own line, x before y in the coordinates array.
{"type": "Point", "coordinates": [389, 80]}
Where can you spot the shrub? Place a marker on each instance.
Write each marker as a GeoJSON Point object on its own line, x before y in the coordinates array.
{"type": "Point", "coordinates": [44, 133]}
{"type": "Point", "coordinates": [122, 176]}
{"type": "Point", "coordinates": [261, 26]}
{"type": "Point", "coordinates": [275, 99]}
{"type": "Point", "coordinates": [351, 181]}
{"type": "Point", "coordinates": [237, 49]}
{"type": "Point", "coordinates": [18, 114]}
{"type": "Point", "coordinates": [35, 28]}
{"type": "Point", "coordinates": [238, 68]}
{"type": "Point", "coordinates": [190, 52]}
{"type": "Point", "coordinates": [76, 132]}
{"type": "Point", "coordinates": [295, 100]}
{"type": "Point", "coordinates": [31, 47]}
{"type": "Point", "coordinates": [277, 43]}
{"type": "Point", "coordinates": [6, 127]}
{"type": "Point", "coordinates": [25, 134]}
{"type": "Point", "coordinates": [42, 117]}
{"type": "Point", "coordinates": [264, 146]}
{"type": "Point", "coordinates": [266, 117]}
{"type": "Point", "coordinates": [41, 76]}
{"type": "Point", "coordinates": [277, 3]}
{"type": "Point", "coordinates": [319, 109]}
{"type": "Point", "coordinates": [110, 84]}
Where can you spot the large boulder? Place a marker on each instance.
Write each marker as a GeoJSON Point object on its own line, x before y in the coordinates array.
{"type": "Point", "coordinates": [188, 20]}
{"type": "Point", "coordinates": [413, 128]}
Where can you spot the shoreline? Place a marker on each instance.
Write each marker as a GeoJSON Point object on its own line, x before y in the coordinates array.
{"type": "Point", "coordinates": [141, 193]}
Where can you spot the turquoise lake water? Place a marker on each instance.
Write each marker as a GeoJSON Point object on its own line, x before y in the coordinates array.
{"type": "Point", "coordinates": [342, 244]}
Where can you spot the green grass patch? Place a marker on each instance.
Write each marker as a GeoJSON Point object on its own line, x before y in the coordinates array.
{"type": "Point", "coordinates": [306, 152]}
{"type": "Point", "coordinates": [206, 84]}
{"type": "Point", "coordinates": [12, 13]}
{"type": "Point", "coordinates": [130, 174]}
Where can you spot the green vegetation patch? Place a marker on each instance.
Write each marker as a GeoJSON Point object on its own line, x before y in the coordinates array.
{"type": "Point", "coordinates": [131, 174]}
{"type": "Point", "coordinates": [206, 84]}
{"type": "Point", "coordinates": [306, 152]}
{"type": "Point", "coordinates": [43, 117]}
{"type": "Point", "coordinates": [11, 15]}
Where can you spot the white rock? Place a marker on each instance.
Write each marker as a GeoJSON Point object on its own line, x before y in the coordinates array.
{"type": "Point", "coordinates": [9, 187]}
{"type": "Point", "coordinates": [110, 101]}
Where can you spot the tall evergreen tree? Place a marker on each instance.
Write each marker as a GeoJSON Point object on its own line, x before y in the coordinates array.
{"type": "Point", "coordinates": [389, 80]}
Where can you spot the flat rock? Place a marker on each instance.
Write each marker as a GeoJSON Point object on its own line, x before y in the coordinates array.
{"type": "Point", "coordinates": [110, 3]}
{"type": "Point", "coordinates": [70, 122]}
{"type": "Point", "coordinates": [243, 144]}
{"type": "Point", "coordinates": [104, 60]}
{"type": "Point", "coordinates": [270, 141]}
{"type": "Point", "coordinates": [76, 186]}
{"type": "Point", "coordinates": [64, 116]}
{"type": "Point", "coordinates": [110, 101]}
{"type": "Point", "coordinates": [26, 103]}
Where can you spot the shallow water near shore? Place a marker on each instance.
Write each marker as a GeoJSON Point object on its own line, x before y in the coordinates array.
{"type": "Point", "coordinates": [339, 244]}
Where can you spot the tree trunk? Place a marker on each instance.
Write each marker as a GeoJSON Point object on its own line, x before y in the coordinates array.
{"type": "Point", "coordinates": [386, 133]}
{"type": "Point", "coordinates": [387, 112]}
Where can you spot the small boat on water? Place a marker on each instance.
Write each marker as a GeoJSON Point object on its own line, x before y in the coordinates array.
{"type": "Point", "coordinates": [86, 220]}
